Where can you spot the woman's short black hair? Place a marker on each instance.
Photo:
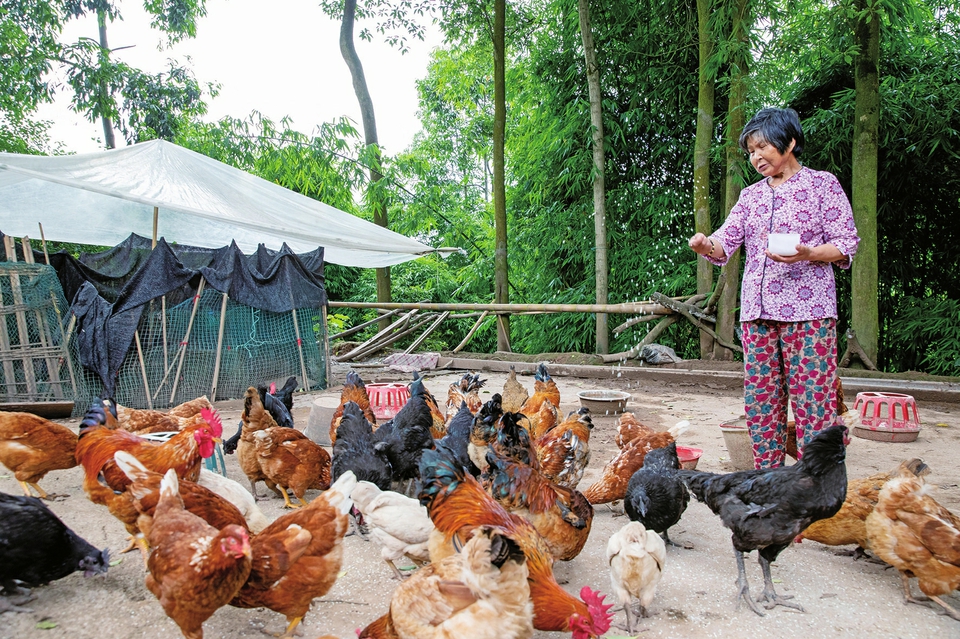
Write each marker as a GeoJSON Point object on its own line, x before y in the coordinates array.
{"type": "Point", "coordinates": [777, 127]}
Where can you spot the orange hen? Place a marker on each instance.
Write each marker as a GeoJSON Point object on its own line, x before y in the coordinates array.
{"type": "Point", "coordinates": [31, 446]}
{"type": "Point", "coordinates": [564, 451]}
{"type": "Point", "coordinates": [194, 568]}
{"type": "Point", "coordinates": [909, 530]}
{"type": "Point", "coordinates": [292, 461]}
{"type": "Point", "coordinates": [289, 587]}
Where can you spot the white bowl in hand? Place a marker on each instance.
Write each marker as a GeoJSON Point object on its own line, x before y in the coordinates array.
{"type": "Point", "coordinates": [784, 244]}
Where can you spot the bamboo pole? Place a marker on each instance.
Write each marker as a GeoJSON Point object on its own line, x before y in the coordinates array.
{"type": "Point", "coordinates": [630, 308]}
{"type": "Point", "coordinates": [53, 364]}
{"type": "Point", "coordinates": [380, 334]}
{"type": "Point", "coordinates": [186, 340]}
{"type": "Point", "coordinates": [473, 330]}
{"type": "Point", "coordinates": [326, 348]}
{"type": "Point", "coordinates": [163, 299]}
{"type": "Point", "coordinates": [360, 327]}
{"type": "Point", "coordinates": [216, 363]}
{"type": "Point", "coordinates": [303, 364]}
{"type": "Point", "coordinates": [143, 368]}
{"type": "Point", "coordinates": [653, 334]}
{"type": "Point", "coordinates": [432, 328]}
{"type": "Point", "coordinates": [22, 330]}
{"type": "Point", "coordinates": [503, 332]}
{"type": "Point", "coordinates": [373, 348]}
{"type": "Point", "coordinates": [43, 242]}
{"type": "Point", "coordinates": [64, 342]}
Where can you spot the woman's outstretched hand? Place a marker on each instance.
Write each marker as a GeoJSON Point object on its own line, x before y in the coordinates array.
{"type": "Point", "coordinates": [700, 244]}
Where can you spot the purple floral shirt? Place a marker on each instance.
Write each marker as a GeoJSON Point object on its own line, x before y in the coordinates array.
{"type": "Point", "coordinates": [811, 203]}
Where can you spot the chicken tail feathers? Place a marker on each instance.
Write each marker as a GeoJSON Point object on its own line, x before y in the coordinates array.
{"type": "Point", "coordinates": [338, 495]}
{"type": "Point", "coordinates": [170, 486]}
{"type": "Point", "coordinates": [678, 429]}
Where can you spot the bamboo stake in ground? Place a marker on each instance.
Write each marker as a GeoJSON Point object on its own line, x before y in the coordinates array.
{"type": "Point", "coordinates": [64, 343]}
{"type": "Point", "coordinates": [216, 362]}
{"type": "Point", "coordinates": [325, 354]}
{"type": "Point", "coordinates": [143, 369]}
{"type": "Point", "coordinates": [303, 364]}
{"type": "Point", "coordinates": [185, 342]}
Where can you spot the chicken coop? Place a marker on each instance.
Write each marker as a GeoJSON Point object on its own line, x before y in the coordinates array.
{"type": "Point", "coordinates": [153, 327]}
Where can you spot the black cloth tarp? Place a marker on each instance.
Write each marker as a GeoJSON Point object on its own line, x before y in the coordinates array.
{"type": "Point", "coordinates": [108, 290]}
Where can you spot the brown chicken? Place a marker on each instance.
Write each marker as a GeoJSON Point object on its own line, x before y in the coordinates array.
{"type": "Point", "coordinates": [31, 446]}
{"type": "Point", "coordinates": [561, 515]}
{"type": "Point", "coordinates": [143, 421]}
{"type": "Point", "coordinates": [105, 483]}
{"type": "Point", "coordinates": [628, 427]}
{"type": "Point", "coordinates": [353, 391]}
{"type": "Point", "coordinates": [289, 589]}
{"type": "Point", "coordinates": [457, 504]}
{"type": "Point", "coordinates": [481, 593]}
{"type": "Point", "coordinates": [564, 451]}
{"type": "Point", "coordinates": [615, 476]}
{"type": "Point", "coordinates": [253, 418]}
{"type": "Point", "coordinates": [292, 461]}
{"type": "Point", "coordinates": [467, 389]}
{"type": "Point", "coordinates": [486, 426]}
{"type": "Point", "coordinates": [909, 530]}
{"type": "Point", "coordinates": [514, 393]}
{"type": "Point", "coordinates": [849, 525]}
{"type": "Point", "coordinates": [544, 420]}
{"type": "Point", "coordinates": [144, 495]}
{"type": "Point", "coordinates": [194, 568]}
{"type": "Point", "coordinates": [544, 389]}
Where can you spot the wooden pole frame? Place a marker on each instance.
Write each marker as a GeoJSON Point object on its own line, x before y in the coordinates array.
{"type": "Point", "coordinates": [183, 344]}
{"type": "Point", "coordinates": [143, 369]}
{"type": "Point", "coordinates": [216, 363]}
{"type": "Point", "coordinates": [303, 364]}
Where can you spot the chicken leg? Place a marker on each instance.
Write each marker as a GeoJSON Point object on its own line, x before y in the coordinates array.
{"type": "Point", "coordinates": [744, 587]}
{"type": "Point", "coordinates": [770, 595]}
{"type": "Point", "coordinates": [40, 491]}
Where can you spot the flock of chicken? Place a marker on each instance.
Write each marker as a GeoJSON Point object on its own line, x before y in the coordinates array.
{"type": "Point", "coordinates": [496, 504]}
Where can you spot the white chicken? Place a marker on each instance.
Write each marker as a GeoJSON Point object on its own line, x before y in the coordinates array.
{"type": "Point", "coordinates": [636, 557]}
{"type": "Point", "coordinates": [399, 524]}
{"type": "Point", "coordinates": [237, 495]}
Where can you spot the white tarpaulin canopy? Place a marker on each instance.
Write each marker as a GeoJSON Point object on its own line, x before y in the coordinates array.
{"type": "Point", "coordinates": [100, 198]}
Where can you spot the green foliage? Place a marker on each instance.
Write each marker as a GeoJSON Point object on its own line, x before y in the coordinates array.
{"type": "Point", "coordinates": [158, 106]}
{"type": "Point", "coordinates": [926, 333]}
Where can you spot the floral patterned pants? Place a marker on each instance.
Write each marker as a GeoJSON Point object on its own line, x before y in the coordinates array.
{"type": "Point", "coordinates": [795, 360]}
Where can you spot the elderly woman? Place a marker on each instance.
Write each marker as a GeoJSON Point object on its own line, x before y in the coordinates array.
{"type": "Point", "coordinates": [788, 305]}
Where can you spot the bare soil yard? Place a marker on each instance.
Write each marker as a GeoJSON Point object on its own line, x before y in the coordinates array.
{"type": "Point", "coordinates": [842, 597]}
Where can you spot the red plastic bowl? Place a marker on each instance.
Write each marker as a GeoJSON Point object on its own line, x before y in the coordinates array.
{"type": "Point", "coordinates": [688, 456]}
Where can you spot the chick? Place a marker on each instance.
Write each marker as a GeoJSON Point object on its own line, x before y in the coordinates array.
{"type": "Point", "coordinates": [636, 557]}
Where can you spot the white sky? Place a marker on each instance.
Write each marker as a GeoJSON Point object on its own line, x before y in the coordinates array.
{"type": "Point", "coordinates": [280, 58]}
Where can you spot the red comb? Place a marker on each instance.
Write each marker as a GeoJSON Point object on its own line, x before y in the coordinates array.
{"type": "Point", "coordinates": [212, 417]}
{"type": "Point", "coordinates": [598, 609]}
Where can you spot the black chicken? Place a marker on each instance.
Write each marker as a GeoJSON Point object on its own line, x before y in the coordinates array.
{"type": "Point", "coordinates": [656, 496]}
{"type": "Point", "coordinates": [404, 438]}
{"type": "Point", "coordinates": [767, 509]}
{"type": "Point", "coordinates": [484, 431]}
{"type": "Point", "coordinates": [278, 404]}
{"type": "Point", "coordinates": [36, 547]}
{"type": "Point", "coordinates": [355, 450]}
{"type": "Point", "coordinates": [512, 440]}
{"type": "Point", "coordinates": [458, 438]}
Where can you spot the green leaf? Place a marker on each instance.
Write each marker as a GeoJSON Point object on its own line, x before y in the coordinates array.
{"type": "Point", "coordinates": [46, 625]}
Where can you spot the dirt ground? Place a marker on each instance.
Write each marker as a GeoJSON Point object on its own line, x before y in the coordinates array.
{"type": "Point", "coordinates": [842, 597]}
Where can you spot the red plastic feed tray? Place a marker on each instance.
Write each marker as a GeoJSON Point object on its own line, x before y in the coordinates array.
{"type": "Point", "coordinates": [887, 417]}
{"type": "Point", "coordinates": [688, 456]}
{"type": "Point", "coordinates": [386, 399]}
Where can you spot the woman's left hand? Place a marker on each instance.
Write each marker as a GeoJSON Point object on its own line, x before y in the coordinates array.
{"type": "Point", "coordinates": [804, 253]}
